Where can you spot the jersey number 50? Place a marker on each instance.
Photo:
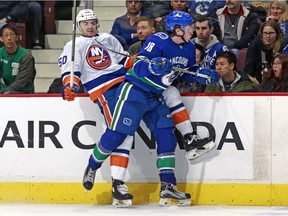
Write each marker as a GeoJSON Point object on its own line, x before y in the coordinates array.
{"type": "Point", "coordinates": [62, 61]}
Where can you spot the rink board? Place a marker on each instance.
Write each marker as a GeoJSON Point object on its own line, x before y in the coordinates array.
{"type": "Point", "coordinates": [45, 143]}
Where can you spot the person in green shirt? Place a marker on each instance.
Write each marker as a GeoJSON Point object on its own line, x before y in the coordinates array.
{"type": "Point", "coordinates": [17, 65]}
{"type": "Point", "coordinates": [230, 80]}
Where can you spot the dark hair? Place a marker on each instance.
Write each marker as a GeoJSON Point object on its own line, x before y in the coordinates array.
{"type": "Point", "coordinates": [8, 26]}
{"type": "Point", "coordinates": [202, 18]}
{"type": "Point", "coordinates": [230, 56]}
{"type": "Point", "coordinates": [202, 50]}
{"type": "Point", "coordinates": [271, 76]}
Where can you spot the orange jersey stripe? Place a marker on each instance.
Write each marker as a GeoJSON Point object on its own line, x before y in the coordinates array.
{"type": "Point", "coordinates": [97, 93]}
{"type": "Point", "coordinates": [180, 116]}
{"type": "Point", "coordinates": [116, 160]}
{"type": "Point", "coordinates": [129, 63]}
{"type": "Point", "coordinates": [67, 80]}
{"type": "Point", "coordinates": [106, 110]}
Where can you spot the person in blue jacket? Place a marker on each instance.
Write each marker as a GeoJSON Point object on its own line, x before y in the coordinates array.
{"type": "Point", "coordinates": [124, 27]}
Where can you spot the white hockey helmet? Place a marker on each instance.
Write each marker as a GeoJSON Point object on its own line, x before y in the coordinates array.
{"type": "Point", "coordinates": [86, 14]}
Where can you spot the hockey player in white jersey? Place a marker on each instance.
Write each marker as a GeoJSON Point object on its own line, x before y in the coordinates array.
{"type": "Point", "coordinates": [100, 72]}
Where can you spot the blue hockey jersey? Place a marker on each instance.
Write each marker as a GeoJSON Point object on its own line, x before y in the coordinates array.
{"type": "Point", "coordinates": [205, 7]}
{"type": "Point", "coordinates": [211, 51]}
{"type": "Point", "coordinates": [161, 45]}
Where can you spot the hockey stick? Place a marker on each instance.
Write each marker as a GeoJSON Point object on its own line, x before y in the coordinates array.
{"type": "Point", "coordinates": [181, 70]}
{"type": "Point", "coordinates": [73, 45]}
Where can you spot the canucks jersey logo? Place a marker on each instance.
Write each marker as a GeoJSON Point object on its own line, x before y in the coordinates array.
{"type": "Point", "coordinates": [98, 57]}
{"type": "Point", "coordinates": [169, 78]}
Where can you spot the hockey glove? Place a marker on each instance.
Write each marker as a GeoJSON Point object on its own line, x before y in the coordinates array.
{"type": "Point", "coordinates": [207, 76]}
{"type": "Point", "coordinates": [160, 66]}
{"type": "Point", "coordinates": [69, 93]}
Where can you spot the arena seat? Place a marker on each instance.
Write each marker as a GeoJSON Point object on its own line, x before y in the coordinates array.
{"type": "Point", "coordinates": [241, 60]}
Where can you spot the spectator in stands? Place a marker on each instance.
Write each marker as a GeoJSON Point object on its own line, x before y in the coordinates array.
{"type": "Point", "coordinates": [23, 11]}
{"type": "Point", "coordinates": [258, 8]}
{"type": "Point", "coordinates": [206, 8]}
{"type": "Point", "coordinates": [145, 28]}
{"type": "Point", "coordinates": [200, 53]}
{"type": "Point", "coordinates": [180, 5]}
{"type": "Point", "coordinates": [10, 10]}
{"type": "Point", "coordinates": [238, 25]}
{"type": "Point", "coordinates": [17, 66]}
{"type": "Point", "coordinates": [276, 79]}
{"type": "Point", "coordinates": [230, 80]}
{"type": "Point", "coordinates": [278, 11]}
{"type": "Point", "coordinates": [261, 50]}
{"type": "Point", "coordinates": [157, 8]}
{"type": "Point", "coordinates": [124, 28]}
{"type": "Point", "coordinates": [35, 17]}
{"type": "Point", "coordinates": [205, 38]}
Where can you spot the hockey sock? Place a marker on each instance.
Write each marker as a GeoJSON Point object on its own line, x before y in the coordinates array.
{"type": "Point", "coordinates": [166, 166]}
{"type": "Point", "coordinates": [98, 157]}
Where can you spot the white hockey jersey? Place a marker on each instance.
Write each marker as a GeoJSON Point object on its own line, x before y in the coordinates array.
{"type": "Point", "coordinates": [95, 65]}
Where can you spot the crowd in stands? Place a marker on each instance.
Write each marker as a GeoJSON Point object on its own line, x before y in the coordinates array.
{"type": "Point", "coordinates": [24, 11]}
{"type": "Point", "coordinates": [258, 33]}
{"type": "Point", "coordinates": [235, 26]}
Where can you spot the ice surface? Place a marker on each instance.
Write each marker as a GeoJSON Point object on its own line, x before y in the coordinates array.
{"type": "Point", "coordinates": [136, 210]}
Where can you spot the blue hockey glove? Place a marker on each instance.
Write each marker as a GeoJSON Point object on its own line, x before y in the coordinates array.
{"type": "Point", "coordinates": [160, 66]}
{"type": "Point", "coordinates": [69, 93]}
{"type": "Point", "coordinates": [207, 76]}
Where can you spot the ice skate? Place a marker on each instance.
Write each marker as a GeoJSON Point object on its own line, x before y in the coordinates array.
{"type": "Point", "coordinates": [170, 195]}
{"type": "Point", "coordinates": [195, 146]}
{"type": "Point", "coordinates": [121, 197]}
{"type": "Point", "coordinates": [88, 178]}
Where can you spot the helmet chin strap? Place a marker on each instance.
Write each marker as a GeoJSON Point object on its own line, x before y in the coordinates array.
{"type": "Point", "coordinates": [181, 36]}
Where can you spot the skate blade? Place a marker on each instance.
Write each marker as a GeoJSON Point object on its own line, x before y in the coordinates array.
{"type": "Point", "coordinates": [166, 202]}
{"type": "Point", "coordinates": [121, 203]}
{"type": "Point", "coordinates": [195, 153]}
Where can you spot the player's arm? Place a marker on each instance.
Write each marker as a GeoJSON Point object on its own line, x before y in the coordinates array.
{"type": "Point", "coordinates": [146, 57]}
{"type": "Point", "coordinates": [64, 62]}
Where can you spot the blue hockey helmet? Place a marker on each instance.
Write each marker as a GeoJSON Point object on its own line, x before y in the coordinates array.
{"type": "Point", "coordinates": [178, 18]}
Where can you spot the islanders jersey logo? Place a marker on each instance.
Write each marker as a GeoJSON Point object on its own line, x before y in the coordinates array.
{"type": "Point", "coordinates": [98, 57]}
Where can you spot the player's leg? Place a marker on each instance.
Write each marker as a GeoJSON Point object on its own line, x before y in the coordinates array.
{"type": "Point", "coordinates": [100, 153]}
{"type": "Point", "coordinates": [118, 164]}
{"type": "Point", "coordinates": [160, 124]}
{"type": "Point", "coordinates": [119, 157]}
{"type": "Point", "coordinates": [129, 110]}
{"type": "Point", "coordinates": [166, 144]}
{"type": "Point", "coordinates": [193, 144]}
{"type": "Point", "coordinates": [178, 111]}
{"type": "Point", "coordinates": [106, 103]}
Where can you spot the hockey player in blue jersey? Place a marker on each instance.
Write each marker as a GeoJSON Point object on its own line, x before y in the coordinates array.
{"type": "Point", "coordinates": [140, 98]}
